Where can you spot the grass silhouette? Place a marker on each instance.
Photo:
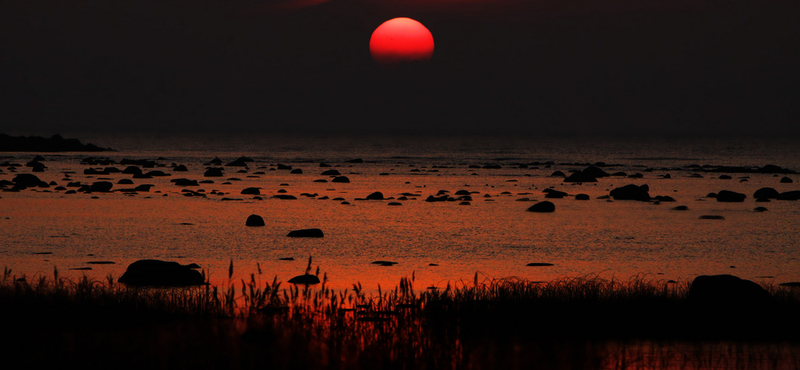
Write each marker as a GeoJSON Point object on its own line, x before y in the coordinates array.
{"type": "Point", "coordinates": [584, 322]}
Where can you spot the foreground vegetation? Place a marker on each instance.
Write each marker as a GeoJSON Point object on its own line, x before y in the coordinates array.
{"type": "Point", "coordinates": [584, 322]}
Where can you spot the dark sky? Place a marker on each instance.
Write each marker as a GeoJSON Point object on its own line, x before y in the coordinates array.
{"type": "Point", "coordinates": [722, 67]}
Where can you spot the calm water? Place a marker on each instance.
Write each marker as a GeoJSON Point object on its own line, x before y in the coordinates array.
{"type": "Point", "coordinates": [493, 236]}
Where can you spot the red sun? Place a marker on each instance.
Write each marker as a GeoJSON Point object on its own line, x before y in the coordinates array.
{"type": "Point", "coordinates": [401, 41]}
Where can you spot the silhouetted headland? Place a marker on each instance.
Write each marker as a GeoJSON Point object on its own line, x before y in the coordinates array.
{"type": "Point", "coordinates": [55, 143]}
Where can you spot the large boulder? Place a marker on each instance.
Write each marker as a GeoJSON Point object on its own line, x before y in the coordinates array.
{"type": "Point", "coordinates": [730, 196]}
{"type": "Point", "coordinates": [631, 192]}
{"type": "Point", "coordinates": [101, 187]}
{"type": "Point", "coordinates": [766, 193]}
{"type": "Point", "coordinates": [213, 172]}
{"type": "Point", "coordinates": [341, 179]}
{"type": "Point", "coordinates": [554, 194]}
{"type": "Point", "coordinates": [306, 233]}
{"type": "Point", "coordinates": [26, 180]}
{"type": "Point", "coordinates": [580, 176]}
{"type": "Point", "coordinates": [727, 290]}
{"type": "Point", "coordinates": [161, 273]}
{"type": "Point", "coordinates": [240, 162]}
{"type": "Point", "coordinates": [305, 279]}
{"type": "Point", "coordinates": [594, 172]}
{"type": "Point", "coordinates": [542, 207]}
{"type": "Point", "coordinates": [789, 195]}
{"type": "Point", "coordinates": [251, 191]}
{"type": "Point", "coordinates": [254, 220]}
{"type": "Point", "coordinates": [375, 196]}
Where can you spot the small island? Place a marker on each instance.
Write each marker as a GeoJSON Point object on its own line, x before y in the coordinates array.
{"type": "Point", "coordinates": [55, 143]}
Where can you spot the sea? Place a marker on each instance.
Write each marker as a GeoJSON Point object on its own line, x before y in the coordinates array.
{"type": "Point", "coordinates": [479, 227]}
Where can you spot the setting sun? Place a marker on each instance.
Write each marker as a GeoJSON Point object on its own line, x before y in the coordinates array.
{"type": "Point", "coordinates": [401, 41]}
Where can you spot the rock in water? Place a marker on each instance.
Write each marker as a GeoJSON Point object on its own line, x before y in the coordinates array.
{"type": "Point", "coordinates": [631, 192]}
{"type": "Point", "coordinates": [766, 193]}
{"type": "Point", "coordinates": [305, 279]}
{"type": "Point", "coordinates": [580, 176]}
{"type": "Point", "coordinates": [160, 273]}
{"type": "Point", "coordinates": [542, 207]}
{"type": "Point", "coordinates": [306, 233]}
{"type": "Point", "coordinates": [213, 172]}
{"type": "Point", "coordinates": [254, 220]}
{"type": "Point", "coordinates": [789, 195]}
{"type": "Point", "coordinates": [726, 290]}
{"type": "Point", "coordinates": [101, 187]}
{"type": "Point", "coordinates": [730, 196]}
{"type": "Point", "coordinates": [375, 196]}
{"type": "Point", "coordinates": [251, 191]}
{"type": "Point", "coordinates": [26, 179]}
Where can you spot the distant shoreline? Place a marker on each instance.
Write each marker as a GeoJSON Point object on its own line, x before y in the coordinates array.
{"type": "Point", "coordinates": [55, 143]}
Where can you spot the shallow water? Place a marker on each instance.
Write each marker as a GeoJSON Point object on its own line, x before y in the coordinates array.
{"type": "Point", "coordinates": [493, 236]}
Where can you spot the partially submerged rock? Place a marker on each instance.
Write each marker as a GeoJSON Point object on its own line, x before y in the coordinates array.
{"type": "Point", "coordinates": [160, 273]}
{"type": "Point", "coordinates": [254, 220]}
{"type": "Point", "coordinates": [631, 192]}
{"type": "Point", "coordinates": [545, 206]}
{"type": "Point", "coordinates": [306, 233]}
{"type": "Point", "coordinates": [305, 279]}
{"type": "Point", "coordinates": [726, 290]}
{"type": "Point", "coordinates": [375, 196]}
{"type": "Point", "coordinates": [730, 196]}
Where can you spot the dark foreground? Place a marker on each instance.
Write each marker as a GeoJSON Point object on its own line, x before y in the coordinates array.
{"type": "Point", "coordinates": [583, 323]}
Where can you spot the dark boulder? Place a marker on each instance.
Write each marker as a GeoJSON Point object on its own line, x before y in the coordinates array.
{"type": "Point", "coordinates": [185, 182]}
{"type": "Point", "coordinates": [306, 233]}
{"type": "Point", "coordinates": [580, 176]}
{"type": "Point", "coordinates": [595, 172]}
{"type": "Point", "coordinates": [542, 207]}
{"type": "Point", "coordinates": [375, 196]}
{"type": "Point", "coordinates": [558, 174]}
{"type": "Point", "coordinates": [680, 208]}
{"type": "Point", "coordinates": [26, 180]}
{"type": "Point", "coordinates": [730, 196]}
{"type": "Point", "coordinates": [101, 187]}
{"type": "Point", "coordinates": [254, 220]}
{"type": "Point", "coordinates": [554, 194]}
{"type": "Point", "coordinates": [213, 172]}
{"type": "Point", "coordinates": [727, 290]}
{"type": "Point", "coordinates": [330, 173]}
{"type": "Point", "coordinates": [296, 171]}
{"type": "Point", "coordinates": [240, 162]}
{"type": "Point", "coordinates": [631, 192]}
{"type": "Point", "coordinates": [132, 170]}
{"type": "Point", "coordinates": [125, 182]}
{"type": "Point", "coordinates": [143, 187]}
{"type": "Point", "coordinates": [786, 180]}
{"type": "Point", "coordinates": [251, 191]}
{"type": "Point", "coordinates": [582, 197]}
{"type": "Point", "coordinates": [789, 195]}
{"type": "Point", "coordinates": [766, 193]}
{"type": "Point", "coordinates": [342, 179]}
{"type": "Point", "coordinates": [160, 273]}
{"type": "Point", "coordinates": [760, 209]}
{"type": "Point", "coordinates": [305, 279]}
{"type": "Point", "coordinates": [180, 168]}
